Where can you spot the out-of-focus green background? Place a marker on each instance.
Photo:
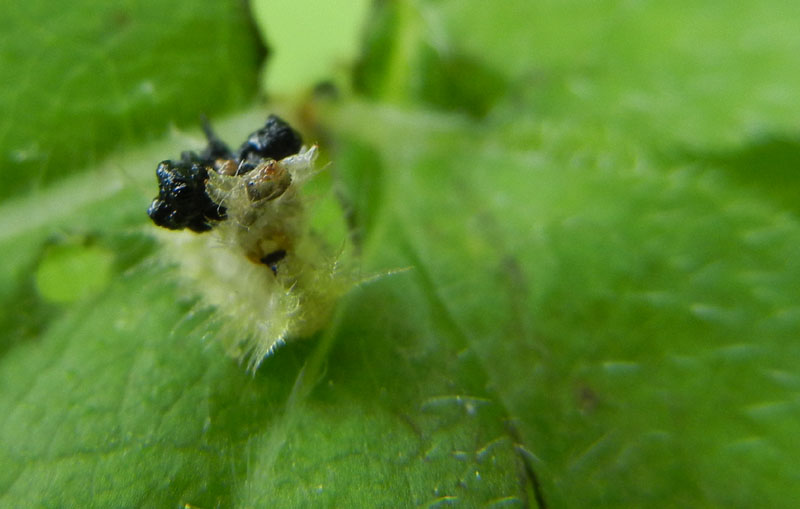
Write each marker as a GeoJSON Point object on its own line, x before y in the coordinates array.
{"type": "Point", "coordinates": [598, 202]}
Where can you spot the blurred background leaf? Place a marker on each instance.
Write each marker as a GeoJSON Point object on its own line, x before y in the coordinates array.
{"type": "Point", "coordinates": [310, 41]}
{"type": "Point", "coordinates": [596, 202]}
{"type": "Point", "coordinates": [79, 82]}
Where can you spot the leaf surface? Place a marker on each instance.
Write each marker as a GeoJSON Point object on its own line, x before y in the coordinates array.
{"type": "Point", "coordinates": [600, 306]}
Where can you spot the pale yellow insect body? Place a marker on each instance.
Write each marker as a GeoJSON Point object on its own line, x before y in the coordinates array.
{"type": "Point", "coordinates": [262, 303]}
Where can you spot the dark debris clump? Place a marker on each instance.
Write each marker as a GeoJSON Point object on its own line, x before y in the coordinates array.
{"type": "Point", "coordinates": [182, 200]}
{"type": "Point", "coordinates": [275, 140]}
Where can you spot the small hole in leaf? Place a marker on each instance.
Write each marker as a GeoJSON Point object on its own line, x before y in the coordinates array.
{"type": "Point", "coordinates": [73, 270]}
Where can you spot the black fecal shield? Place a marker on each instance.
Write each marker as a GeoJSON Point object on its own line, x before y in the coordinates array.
{"type": "Point", "coordinates": [275, 140]}
{"type": "Point", "coordinates": [182, 201]}
{"type": "Point", "coordinates": [216, 148]}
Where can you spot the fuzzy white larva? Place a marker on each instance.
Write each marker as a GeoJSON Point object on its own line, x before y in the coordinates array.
{"type": "Point", "coordinates": [268, 277]}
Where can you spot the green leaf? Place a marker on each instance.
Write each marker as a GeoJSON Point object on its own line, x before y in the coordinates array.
{"type": "Point", "coordinates": [636, 321]}
{"type": "Point", "coordinates": [600, 306]}
{"type": "Point", "coordinates": [86, 79]}
{"type": "Point", "coordinates": [128, 399]}
{"type": "Point", "coordinates": [688, 73]}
